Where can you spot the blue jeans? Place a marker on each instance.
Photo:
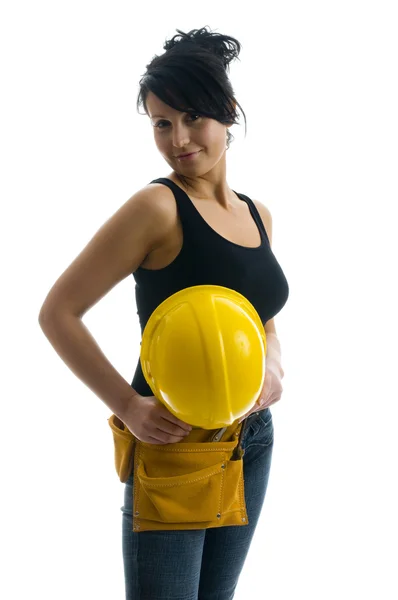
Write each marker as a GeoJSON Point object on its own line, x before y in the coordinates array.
{"type": "Point", "coordinates": [199, 564]}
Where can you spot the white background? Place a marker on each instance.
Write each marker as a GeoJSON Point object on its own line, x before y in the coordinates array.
{"type": "Point", "coordinates": [318, 83]}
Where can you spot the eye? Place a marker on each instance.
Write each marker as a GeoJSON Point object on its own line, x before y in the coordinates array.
{"type": "Point", "coordinates": [191, 115]}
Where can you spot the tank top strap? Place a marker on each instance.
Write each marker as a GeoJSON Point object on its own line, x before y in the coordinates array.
{"type": "Point", "coordinates": [179, 195]}
{"type": "Point", "coordinates": [255, 213]}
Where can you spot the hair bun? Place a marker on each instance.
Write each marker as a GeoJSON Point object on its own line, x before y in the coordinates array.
{"type": "Point", "coordinates": [226, 47]}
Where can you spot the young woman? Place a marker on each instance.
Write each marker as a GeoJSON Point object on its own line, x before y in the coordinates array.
{"type": "Point", "coordinates": [188, 228]}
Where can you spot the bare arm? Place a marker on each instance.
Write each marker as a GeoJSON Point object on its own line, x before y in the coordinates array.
{"type": "Point", "coordinates": [273, 343]}
{"type": "Point", "coordinates": [115, 251]}
{"type": "Point", "coordinates": [78, 349]}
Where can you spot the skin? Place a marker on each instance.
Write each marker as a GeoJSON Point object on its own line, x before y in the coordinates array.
{"type": "Point", "coordinates": [177, 133]}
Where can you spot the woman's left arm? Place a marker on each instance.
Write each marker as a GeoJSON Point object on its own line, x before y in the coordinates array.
{"type": "Point", "coordinates": [273, 355]}
{"type": "Point", "coordinates": [272, 387]}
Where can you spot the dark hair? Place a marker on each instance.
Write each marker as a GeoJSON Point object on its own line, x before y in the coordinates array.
{"type": "Point", "coordinates": [191, 76]}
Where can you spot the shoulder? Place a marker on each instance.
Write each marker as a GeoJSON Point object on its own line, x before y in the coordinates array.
{"type": "Point", "coordinates": [266, 217]}
{"type": "Point", "coordinates": [156, 198]}
{"type": "Point", "coordinates": [161, 209]}
{"type": "Point", "coordinates": [147, 215]}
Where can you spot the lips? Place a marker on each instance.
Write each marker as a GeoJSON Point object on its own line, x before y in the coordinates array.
{"type": "Point", "coordinates": [187, 154]}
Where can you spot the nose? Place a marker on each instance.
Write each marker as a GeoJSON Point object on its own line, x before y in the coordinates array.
{"type": "Point", "coordinates": [180, 137]}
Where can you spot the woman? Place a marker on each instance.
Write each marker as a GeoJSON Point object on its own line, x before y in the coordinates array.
{"type": "Point", "coordinates": [189, 228]}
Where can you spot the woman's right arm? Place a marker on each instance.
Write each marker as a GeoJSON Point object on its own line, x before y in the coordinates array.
{"type": "Point", "coordinates": [116, 250]}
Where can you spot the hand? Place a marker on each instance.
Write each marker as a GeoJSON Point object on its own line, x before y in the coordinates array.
{"type": "Point", "coordinates": [272, 389]}
{"type": "Point", "coordinates": [150, 421]}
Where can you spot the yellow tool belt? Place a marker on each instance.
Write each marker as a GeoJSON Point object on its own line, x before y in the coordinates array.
{"type": "Point", "coordinates": [194, 484]}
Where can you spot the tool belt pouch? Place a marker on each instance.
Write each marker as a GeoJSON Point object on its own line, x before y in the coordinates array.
{"type": "Point", "coordinates": [186, 485]}
{"type": "Point", "coordinates": [124, 443]}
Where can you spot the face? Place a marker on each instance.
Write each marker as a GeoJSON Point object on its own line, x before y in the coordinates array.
{"type": "Point", "coordinates": [177, 133]}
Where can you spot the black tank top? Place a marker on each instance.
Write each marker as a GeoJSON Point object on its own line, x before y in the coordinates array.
{"type": "Point", "coordinates": [208, 258]}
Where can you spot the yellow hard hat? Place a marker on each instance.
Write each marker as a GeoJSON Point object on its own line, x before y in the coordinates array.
{"type": "Point", "coordinates": [203, 355]}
